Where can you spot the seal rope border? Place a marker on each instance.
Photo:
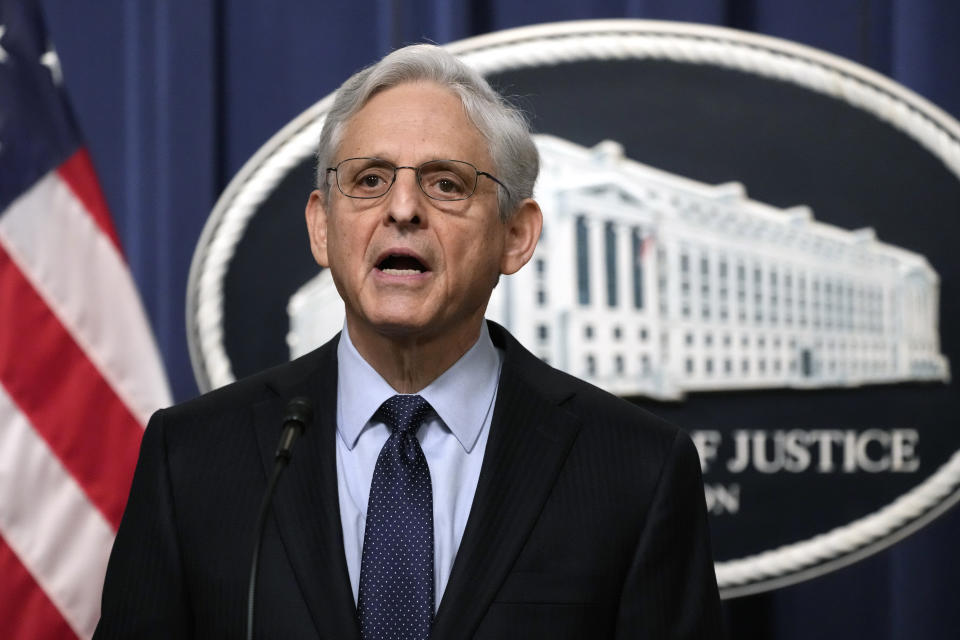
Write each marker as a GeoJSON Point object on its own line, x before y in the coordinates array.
{"type": "Point", "coordinates": [560, 43]}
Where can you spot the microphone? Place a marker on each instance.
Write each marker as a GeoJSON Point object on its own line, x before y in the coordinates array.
{"type": "Point", "coordinates": [297, 415]}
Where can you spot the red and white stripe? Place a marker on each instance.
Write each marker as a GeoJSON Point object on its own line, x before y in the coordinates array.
{"type": "Point", "coordinates": [79, 377]}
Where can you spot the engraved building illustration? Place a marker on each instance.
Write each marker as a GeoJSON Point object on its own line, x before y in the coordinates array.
{"type": "Point", "coordinates": [651, 284]}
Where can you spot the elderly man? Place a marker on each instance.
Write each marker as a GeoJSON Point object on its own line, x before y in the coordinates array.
{"type": "Point", "coordinates": [451, 484]}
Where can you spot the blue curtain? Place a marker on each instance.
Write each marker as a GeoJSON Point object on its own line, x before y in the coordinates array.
{"type": "Point", "coordinates": [175, 96]}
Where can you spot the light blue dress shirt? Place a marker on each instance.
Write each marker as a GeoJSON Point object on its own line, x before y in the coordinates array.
{"type": "Point", "coordinates": [453, 443]}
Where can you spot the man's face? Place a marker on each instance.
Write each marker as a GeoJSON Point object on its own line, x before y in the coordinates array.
{"type": "Point", "coordinates": [405, 265]}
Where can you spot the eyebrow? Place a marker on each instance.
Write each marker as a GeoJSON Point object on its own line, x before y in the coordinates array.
{"type": "Point", "coordinates": [393, 161]}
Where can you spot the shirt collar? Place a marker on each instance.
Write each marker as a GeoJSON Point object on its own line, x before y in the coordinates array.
{"type": "Point", "coordinates": [462, 396]}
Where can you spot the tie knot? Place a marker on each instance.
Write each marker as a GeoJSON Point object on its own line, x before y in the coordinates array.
{"type": "Point", "coordinates": [404, 412]}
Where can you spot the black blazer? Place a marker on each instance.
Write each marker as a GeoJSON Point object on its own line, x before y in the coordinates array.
{"type": "Point", "coordinates": [588, 519]}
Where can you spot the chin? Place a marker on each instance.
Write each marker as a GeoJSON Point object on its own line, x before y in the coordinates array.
{"type": "Point", "coordinates": [396, 325]}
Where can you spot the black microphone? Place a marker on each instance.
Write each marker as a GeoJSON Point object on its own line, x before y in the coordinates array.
{"type": "Point", "coordinates": [296, 417]}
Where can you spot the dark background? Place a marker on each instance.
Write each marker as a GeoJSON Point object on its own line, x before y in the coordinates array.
{"type": "Point", "coordinates": [175, 96]}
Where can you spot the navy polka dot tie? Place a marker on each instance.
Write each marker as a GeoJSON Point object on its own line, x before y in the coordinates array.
{"type": "Point", "coordinates": [396, 570]}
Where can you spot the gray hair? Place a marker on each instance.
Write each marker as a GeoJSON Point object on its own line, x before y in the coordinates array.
{"type": "Point", "coordinates": [504, 127]}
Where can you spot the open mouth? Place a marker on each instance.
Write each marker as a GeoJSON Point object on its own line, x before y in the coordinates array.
{"type": "Point", "coordinates": [397, 265]}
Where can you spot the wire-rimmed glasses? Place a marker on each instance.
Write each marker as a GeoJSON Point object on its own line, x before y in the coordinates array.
{"type": "Point", "coordinates": [446, 180]}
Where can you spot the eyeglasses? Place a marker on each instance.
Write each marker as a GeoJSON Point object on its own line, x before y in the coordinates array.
{"type": "Point", "coordinates": [445, 180]}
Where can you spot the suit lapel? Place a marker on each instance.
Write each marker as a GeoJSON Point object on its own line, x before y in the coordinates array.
{"type": "Point", "coordinates": [529, 440]}
{"type": "Point", "coordinates": [305, 505]}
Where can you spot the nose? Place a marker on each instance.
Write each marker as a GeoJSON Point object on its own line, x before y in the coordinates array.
{"type": "Point", "coordinates": [405, 199]}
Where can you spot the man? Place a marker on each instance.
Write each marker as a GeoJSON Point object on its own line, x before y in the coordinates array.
{"type": "Point", "coordinates": [451, 484]}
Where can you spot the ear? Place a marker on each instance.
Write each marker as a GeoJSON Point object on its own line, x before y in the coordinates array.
{"type": "Point", "coordinates": [316, 213]}
{"type": "Point", "coordinates": [523, 232]}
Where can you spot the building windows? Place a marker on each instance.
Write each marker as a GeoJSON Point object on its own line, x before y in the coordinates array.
{"type": "Point", "coordinates": [850, 306]}
{"type": "Point", "coordinates": [772, 293]}
{"type": "Point", "coordinates": [591, 365]}
{"type": "Point", "coordinates": [801, 290]}
{"type": "Point", "coordinates": [704, 287]}
{"type": "Point", "coordinates": [724, 291]}
{"type": "Point", "coordinates": [815, 302]}
{"type": "Point", "coordinates": [617, 333]}
{"type": "Point", "coordinates": [637, 260]}
{"type": "Point", "coordinates": [828, 305]}
{"type": "Point", "coordinates": [588, 331]}
{"type": "Point", "coordinates": [610, 251]}
{"type": "Point", "coordinates": [541, 297]}
{"type": "Point", "coordinates": [583, 261]}
{"type": "Point", "coordinates": [788, 295]}
{"type": "Point", "coordinates": [543, 332]}
{"type": "Point", "coordinates": [662, 280]}
{"type": "Point", "coordinates": [757, 294]}
{"type": "Point", "coordinates": [741, 293]}
{"type": "Point", "coordinates": [618, 363]}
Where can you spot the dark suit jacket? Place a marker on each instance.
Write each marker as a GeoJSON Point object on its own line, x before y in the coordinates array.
{"type": "Point", "coordinates": [588, 519]}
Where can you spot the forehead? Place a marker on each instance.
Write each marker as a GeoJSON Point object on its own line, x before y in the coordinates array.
{"type": "Point", "coordinates": [412, 123]}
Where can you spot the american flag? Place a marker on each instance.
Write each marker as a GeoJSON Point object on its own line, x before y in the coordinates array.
{"type": "Point", "coordinates": [79, 370]}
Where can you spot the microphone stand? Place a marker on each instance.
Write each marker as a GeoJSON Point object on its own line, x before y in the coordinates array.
{"type": "Point", "coordinates": [298, 414]}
